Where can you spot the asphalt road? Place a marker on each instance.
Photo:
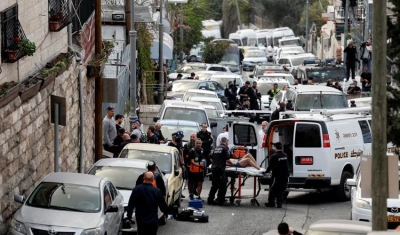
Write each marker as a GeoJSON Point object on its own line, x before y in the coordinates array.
{"type": "Point", "coordinates": [299, 211]}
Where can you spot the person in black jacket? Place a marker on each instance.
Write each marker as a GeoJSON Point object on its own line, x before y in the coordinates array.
{"type": "Point", "coordinates": [221, 156]}
{"type": "Point", "coordinates": [230, 94]}
{"type": "Point", "coordinates": [254, 95]}
{"type": "Point", "coordinates": [284, 229]}
{"type": "Point", "coordinates": [351, 60]}
{"type": "Point", "coordinates": [152, 167]}
{"type": "Point", "coordinates": [146, 199]}
{"type": "Point", "coordinates": [243, 91]}
{"type": "Point", "coordinates": [207, 140]}
{"type": "Point", "coordinates": [275, 114]}
{"type": "Point", "coordinates": [280, 173]}
{"type": "Point", "coordinates": [151, 136]}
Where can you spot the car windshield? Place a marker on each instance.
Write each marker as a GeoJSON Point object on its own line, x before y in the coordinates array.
{"type": "Point", "coordinates": [224, 80]}
{"type": "Point", "coordinates": [316, 232]}
{"type": "Point", "coordinates": [264, 71]}
{"type": "Point", "coordinates": [212, 113]}
{"type": "Point", "coordinates": [179, 86]}
{"type": "Point", "coordinates": [322, 76]}
{"type": "Point", "coordinates": [198, 94]}
{"type": "Point", "coordinates": [68, 197]}
{"type": "Point", "coordinates": [262, 41]}
{"type": "Point", "coordinates": [263, 88]}
{"type": "Point", "coordinates": [167, 130]}
{"type": "Point", "coordinates": [300, 61]}
{"type": "Point", "coordinates": [190, 69]}
{"type": "Point", "coordinates": [290, 79]}
{"type": "Point", "coordinates": [187, 114]}
{"type": "Point", "coordinates": [120, 176]}
{"type": "Point", "coordinates": [217, 105]}
{"type": "Point", "coordinates": [292, 42]}
{"type": "Point", "coordinates": [163, 160]}
{"type": "Point", "coordinates": [251, 54]}
{"type": "Point", "coordinates": [231, 57]}
{"type": "Point", "coordinates": [305, 102]}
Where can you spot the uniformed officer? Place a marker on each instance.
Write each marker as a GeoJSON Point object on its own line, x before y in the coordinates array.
{"type": "Point", "coordinates": [280, 173]}
{"type": "Point", "coordinates": [220, 158]}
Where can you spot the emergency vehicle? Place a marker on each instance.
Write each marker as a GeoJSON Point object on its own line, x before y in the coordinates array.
{"type": "Point", "coordinates": [320, 71]}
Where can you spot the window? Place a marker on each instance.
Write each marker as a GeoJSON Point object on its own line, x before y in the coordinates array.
{"type": "Point", "coordinates": [107, 198]}
{"type": "Point", "coordinates": [113, 191]}
{"type": "Point", "coordinates": [244, 135]}
{"type": "Point", "coordinates": [218, 86]}
{"type": "Point", "coordinates": [307, 136]}
{"type": "Point", "coordinates": [59, 15]}
{"type": "Point", "coordinates": [211, 86]}
{"type": "Point", "coordinates": [365, 131]}
{"type": "Point", "coordinates": [120, 176]}
{"type": "Point", "coordinates": [177, 160]}
{"type": "Point", "coordinates": [12, 35]}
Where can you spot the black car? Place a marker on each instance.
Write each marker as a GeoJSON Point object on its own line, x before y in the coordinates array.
{"type": "Point", "coordinates": [176, 89]}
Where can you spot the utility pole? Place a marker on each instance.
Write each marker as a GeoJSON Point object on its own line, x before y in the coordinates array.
{"type": "Point", "coordinates": [238, 14]}
{"type": "Point", "coordinates": [346, 27]}
{"type": "Point", "coordinates": [133, 35]}
{"type": "Point", "coordinates": [307, 4]}
{"type": "Point", "coordinates": [379, 128]}
{"type": "Point", "coordinates": [98, 95]}
{"type": "Point", "coordinates": [161, 56]}
{"type": "Point", "coordinates": [181, 34]}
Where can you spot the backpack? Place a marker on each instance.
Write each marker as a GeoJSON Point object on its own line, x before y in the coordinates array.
{"type": "Point", "coordinates": [143, 137]}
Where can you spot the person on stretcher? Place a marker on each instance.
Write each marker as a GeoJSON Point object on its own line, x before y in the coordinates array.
{"type": "Point", "coordinates": [247, 159]}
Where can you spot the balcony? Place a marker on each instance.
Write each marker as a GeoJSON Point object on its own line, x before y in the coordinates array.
{"type": "Point", "coordinates": [59, 15]}
{"type": "Point", "coordinates": [13, 36]}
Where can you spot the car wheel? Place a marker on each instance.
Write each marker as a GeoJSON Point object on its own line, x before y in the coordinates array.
{"type": "Point", "coordinates": [193, 59]}
{"type": "Point", "coordinates": [343, 192]}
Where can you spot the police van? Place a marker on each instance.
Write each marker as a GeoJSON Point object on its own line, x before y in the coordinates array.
{"type": "Point", "coordinates": [323, 148]}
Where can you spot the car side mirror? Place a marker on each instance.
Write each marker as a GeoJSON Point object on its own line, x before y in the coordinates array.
{"type": "Point", "coordinates": [213, 124]}
{"type": "Point", "coordinates": [251, 76]}
{"type": "Point", "coordinates": [112, 209]}
{"type": "Point", "coordinates": [155, 119]}
{"type": "Point", "coordinates": [19, 199]}
{"type": "Point", "coordinates": [351, 182]}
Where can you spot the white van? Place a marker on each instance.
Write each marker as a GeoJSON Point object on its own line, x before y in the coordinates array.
{"type": "Point", "coordinates": [236, 38]}
{"type": "Point", "coordinates": [279, 33]}
{"type": "Point", "coordinates": [248, 37]}
{"type": "Point", "coordinates": [180, 110]}
{"type": "Point", "coordinates": [323, 149]}
{"type": "Point", "coordinates": [262, 40]}
{"type": "Point", "coordinates": [290, 41]}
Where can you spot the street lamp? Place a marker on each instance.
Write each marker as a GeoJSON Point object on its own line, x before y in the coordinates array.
{"type": "Point", "coordinates": [133, 35]}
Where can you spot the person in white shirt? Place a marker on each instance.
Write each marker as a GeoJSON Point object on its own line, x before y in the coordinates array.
{"type": "Point", "coordinates": [263, 131]}
{"type": "Point", "coordinates": [224, 133]}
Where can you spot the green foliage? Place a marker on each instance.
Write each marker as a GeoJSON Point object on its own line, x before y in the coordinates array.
{"type": "Point", "coordinates": [285, 13]}
{"type": "Point", "coordinates": [216, 5]}
{"type": "Point", "coordinates": [393, 100]}
{"type": "Point", "coordinates": [27, 47]}
{"type": "Point", "coordinates": [245, 8]}
{"type": "Point", "coordinates": [102, 58]}
{"type": "Point", "coordinates": [315, 15]}
{"type": "Point", "coordinates": [6, 87]}
{"type": "Point", "coordinates": [213, 52]}
{"type": "Point", "coordinates": [144, 43]}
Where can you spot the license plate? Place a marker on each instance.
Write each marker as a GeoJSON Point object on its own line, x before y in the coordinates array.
{"type": "Point", "coordinates": [393, 218]}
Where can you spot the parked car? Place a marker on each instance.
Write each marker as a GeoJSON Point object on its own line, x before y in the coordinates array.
{"type": "Point", "coordinates": [205, 75]}
{"type": "Point", "coordinates": [123, 173]}
{"type": "Point", "coordinates": [167, 160]}
{"type": "Point", "coordinates": [339, 227]}
{"type": "Point", "coordinates": [266, 69]}
{"type": "Point", "coordinates": [176, 90]}
{"type": "Point", "coordinates": [70, 203]}
{"type": "Point", "coordinates": [208, 101]}
{"type": "Point", "coordinates": [187, 69]}
{"type": "Point", "coordinates": [253, 58]}
{"type": "Point", "coordinates": [187, 127]}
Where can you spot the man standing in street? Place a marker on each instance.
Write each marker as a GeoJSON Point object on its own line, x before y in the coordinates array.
{"type": "Point", "coordinates": [119, 138]}
{"type": "Point", "coordinates": [192, 75]}
{"type": "Point", "coordinates": [157, 131]}
{"type": "Point", "coordinates": [253, 94]}
{"type": "Point", "coordinates": [220, 157]}
{"type": "Point", "coordinates": [280, 173]}
{"type": "Point", "coordinates": [146, 199]}
{"type": "Point", "coordinates": [275, 114]}
{"type": "Point", "coordinates": [196, 170]}
{"type": "Point", "coordinates": [207, 141]}
{"type": "Point", "coordinates": [152, 137]}
{"type": "Point", "coordinates": [351, 60]}
{"type": "Point", "coordinates": [109, 130]}
{"type": "Point", "coordinates": [186, 149]}
{"type": "Point", "coordinates": [274, 90]}
{"type": "Point", "coordinates": [118, 121]}
{"type": "Point", "coordinates": [159, 182]}
{"type": "Point", "coordinates": [231, 93]}
{"type": "Point", "coordinates": [243, 91]}
{"type": "Point", "coordinates": [136, 128]}
{"type": "Point", "coordinates": [127, 140]}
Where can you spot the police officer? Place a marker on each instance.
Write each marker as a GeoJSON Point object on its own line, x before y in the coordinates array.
{"type": "Point", "coordinates": [274, 90]}
{"type": "Point", "coordinates": [221, 156]}
{"type": "Point", "coordinates": [243, 91]}
{"type": "Point", "coordinates": [206, 138]}
{"type": "Point", "coordinates": [230, 94]}
{"type": "Point", "coordinates": [280, 173]}
{"type": "Point", "coordinates": [254, 95]}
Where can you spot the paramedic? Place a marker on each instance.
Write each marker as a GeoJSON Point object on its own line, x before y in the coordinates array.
{"type": "Point", "coordinates": [152, 167]}
{"type": "Point", "coordinates": [280, 173]}
{"type": "Point", "coordinates": [220, 158]}
{"type": "Point", "coordinates": [207, 141]}
{"type": "Point", "coordinates": [196, 169]}
{"type": "Point", "coordinates": [146, 199]}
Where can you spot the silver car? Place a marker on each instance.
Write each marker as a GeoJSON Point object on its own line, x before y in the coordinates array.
{"type": "Point", "coordinates": [123, 173]}
{"type": "Point", "coordinates": [70, 204]}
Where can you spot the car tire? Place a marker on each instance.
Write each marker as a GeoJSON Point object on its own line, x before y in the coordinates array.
{"type": "Point", "coordinates": [343, 192]}
{"type": "Point", "coordinates": [192, 59]}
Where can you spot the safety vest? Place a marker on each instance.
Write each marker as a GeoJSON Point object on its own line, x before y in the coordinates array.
{"type": "Point", "coordinates": [274, 93]}
{"type": "Point", "coordinates": [195, 168]}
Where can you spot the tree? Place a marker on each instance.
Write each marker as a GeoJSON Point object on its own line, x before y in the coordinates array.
{"type": "Point", "coordinates": [214, 51]}
{"type": "Point", "coordinates": [393, 98]}
{"type": "Point", "coordinates": [314, 15]}
{"type": "Point", "coordinates": [230, 20]}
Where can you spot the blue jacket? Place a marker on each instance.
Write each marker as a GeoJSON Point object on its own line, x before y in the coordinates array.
{"type": "Point", "coordinates": [146, 199]}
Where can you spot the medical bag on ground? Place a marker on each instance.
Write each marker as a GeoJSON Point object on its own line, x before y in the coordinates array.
{"type": "Point", "coordinates": [196, 203]}
{"type": "Point", "coordinates": [192, 214]}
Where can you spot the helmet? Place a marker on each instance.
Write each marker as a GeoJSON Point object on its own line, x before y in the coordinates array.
{"type": "Point", "coordinates": [178, 134]}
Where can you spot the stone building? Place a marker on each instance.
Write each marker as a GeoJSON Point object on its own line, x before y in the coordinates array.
{"type": "Point", "coordinates": [26, 131]}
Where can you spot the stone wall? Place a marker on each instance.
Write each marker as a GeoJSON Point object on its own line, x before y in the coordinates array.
{"type": "Point", "coordinates": [27, 138]}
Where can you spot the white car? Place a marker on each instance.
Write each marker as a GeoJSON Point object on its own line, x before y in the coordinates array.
{"type": "Point", "coordinates": [123, 173]}
{"type": "Point", "coordinates": [187, 69]}
{"type": "Point", "coordinates": [198, 93]}
{"type": "Point", "coordinates": [361, 102]}
{"type": "Point", "coordinates": [253, 58]}
{"type": "Point", "coordinates": [264, 85]}
{"type": "Point", "coordinates": [187, 127]}
{"type": "Point", "coordinates": [361, 208]}
{"type": "Point", "coordinates": [339, 227]}
{"type": "Point", "coordinates": [216, 102]}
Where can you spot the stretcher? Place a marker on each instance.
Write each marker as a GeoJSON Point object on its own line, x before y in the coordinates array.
{"type": "Point", "coordinates": [243, 174]}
